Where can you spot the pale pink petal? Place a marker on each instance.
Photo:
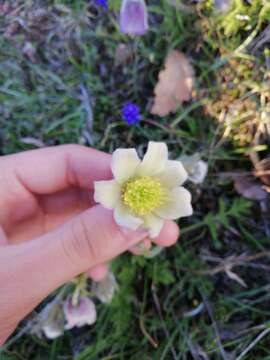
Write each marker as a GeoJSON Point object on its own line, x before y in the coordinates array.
{"type": "Point", "coordinates": [82, 314]}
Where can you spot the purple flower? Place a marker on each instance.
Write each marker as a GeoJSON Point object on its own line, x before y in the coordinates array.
{"type": "Point", "coordinates": [131, 113]}
{"type": "Point", "coordinates": [102, 3]}
{"type": "Point", "coordinates": [133, 17]}
{"type": "Point", "coordinates": [82, 314]}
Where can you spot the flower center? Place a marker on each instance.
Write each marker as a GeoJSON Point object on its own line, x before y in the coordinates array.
{"type": "Point", "coordinates": [143, 195]}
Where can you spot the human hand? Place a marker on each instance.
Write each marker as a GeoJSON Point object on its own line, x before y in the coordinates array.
{"type": "Point", "coordinates": [50, 228]}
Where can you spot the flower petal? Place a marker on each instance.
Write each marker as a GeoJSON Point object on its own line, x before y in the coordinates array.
{"type": "Point", "coordinates": [154, 160]}
{"type": "Point", "coordinates": [154, 224]}
{"type": "Point", "coordinates": [123, 217]}
{"type": "Point", "coordinates": [124, 164]}
{"type": "Point", "coordinates": [51, 331]}
{"type": "Point", "coordinates": [173, 175]}
{"type": "Point", "coordinates": [82, 314]}
{"type": "Point", "coordinates": [178, 206]}
{"type": "Point", "coordinates": [199, 173]}
{"type": "Point", "coordinates": [104, 290]}
{"type": "Point", "coordinates": [133, 17]}
{"type": "Point", "coordinates": [52, 320]}
{"type": "Point", "coordinates": [196, 168]}
{"type": "Point", "coordinates": [107, 193]}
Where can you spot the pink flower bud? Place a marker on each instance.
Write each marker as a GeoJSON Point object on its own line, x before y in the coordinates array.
{"type": "Point", "coordinates": [133, 17]}
{"type": "Point", "coordinates": [82, 314]}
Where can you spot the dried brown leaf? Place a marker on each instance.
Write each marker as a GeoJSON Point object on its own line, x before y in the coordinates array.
{"type": "Point", "coordinates": [122, 54]}
{"type": "Point", "coordinates": [249, 188]}
{"type": "Point", "coordinates": [232, 275]}
{"type": "Point", "coordinates": [264, 171]}
{"type": "Point", "coordinates": [174, 85]}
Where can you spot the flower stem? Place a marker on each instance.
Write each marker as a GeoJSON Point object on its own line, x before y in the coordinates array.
{"type": "Point", "coordinates": [81, 283]}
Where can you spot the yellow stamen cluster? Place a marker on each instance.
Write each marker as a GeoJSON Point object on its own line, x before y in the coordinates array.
{"type": "Point", "coordinates": [143, 195]}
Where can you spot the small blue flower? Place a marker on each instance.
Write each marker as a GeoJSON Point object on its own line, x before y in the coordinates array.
{"type": "Point", "coordinates": [102, 3]}
{"type": "Point", "coordinates": [131, 113]}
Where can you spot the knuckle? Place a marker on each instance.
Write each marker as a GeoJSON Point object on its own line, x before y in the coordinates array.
{"type": "Point", "coordinates": [81, 242]}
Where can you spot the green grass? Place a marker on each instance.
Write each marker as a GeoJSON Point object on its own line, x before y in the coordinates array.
{"type": "Point", "coordinates": [74, 92]}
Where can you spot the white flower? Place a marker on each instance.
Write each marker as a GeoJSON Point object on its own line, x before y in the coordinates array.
{"type": "Point", "coordinates": [82, 314]}
{"type": "Point", "coordinates": [52, 321]}
{"type": "Point", "coordinates": [145, 192]}
{"type": "Point", "coordinates": [196, 168]}
{"type": "Point", "coordinates": [104, 290]}
{"type": "Point", "coordinates": [52, 331]}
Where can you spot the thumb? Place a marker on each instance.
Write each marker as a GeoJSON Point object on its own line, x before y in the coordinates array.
{"type": "Point", "coordinates": [30, 271]}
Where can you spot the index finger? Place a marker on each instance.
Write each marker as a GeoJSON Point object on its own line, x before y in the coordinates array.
{"type": "Point", "coordinates": [49, 170]}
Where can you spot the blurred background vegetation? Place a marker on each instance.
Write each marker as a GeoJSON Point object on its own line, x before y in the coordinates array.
{"type": "Point", "coordinates": [64, 80]}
